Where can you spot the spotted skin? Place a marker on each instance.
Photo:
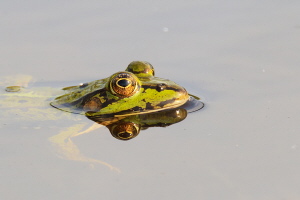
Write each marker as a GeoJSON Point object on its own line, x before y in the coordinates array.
{"type": "Point", "coordinates": [134, 91]}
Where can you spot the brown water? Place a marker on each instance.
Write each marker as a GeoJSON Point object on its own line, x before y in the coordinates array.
{"type": "Point", "coordinates": [242, 58]}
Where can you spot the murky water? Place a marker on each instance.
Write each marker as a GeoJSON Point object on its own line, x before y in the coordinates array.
{"type": "Point", "coordinates": [241, 58]}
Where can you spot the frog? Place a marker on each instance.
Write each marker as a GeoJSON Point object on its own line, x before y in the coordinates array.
{"type": "Point", "coordinates": [134, 91]}
{"type": "Point", "coordinates": [128, 96]}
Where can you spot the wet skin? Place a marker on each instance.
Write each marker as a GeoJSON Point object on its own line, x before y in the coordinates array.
{"type": "Point", "coordinates": [133, 91]}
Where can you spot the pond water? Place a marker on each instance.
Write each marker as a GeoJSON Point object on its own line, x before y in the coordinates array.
{"type": "Point", "coordinates": [241, 58]}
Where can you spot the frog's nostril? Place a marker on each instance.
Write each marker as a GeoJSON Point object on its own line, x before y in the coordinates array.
{"type": "Point", "coordinates": [160, 87]}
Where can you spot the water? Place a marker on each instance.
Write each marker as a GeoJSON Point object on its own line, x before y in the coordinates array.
{"type": "Point", "coordinates": [241, 58]}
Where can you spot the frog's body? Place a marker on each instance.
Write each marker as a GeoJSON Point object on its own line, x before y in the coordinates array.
{"type": "Point", "coordinates": [133, 91]}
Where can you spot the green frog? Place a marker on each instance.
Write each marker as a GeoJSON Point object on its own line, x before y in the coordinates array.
{"type": "Point", "coordinates": [133, 91]}
{"type": "Point", "coordinates": [126, 102]}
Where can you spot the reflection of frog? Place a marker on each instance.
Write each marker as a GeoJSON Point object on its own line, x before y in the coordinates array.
{"type": "Point", "coordinates": [128, 127]}
{"type": "Point", "coordinates": [132, 92]}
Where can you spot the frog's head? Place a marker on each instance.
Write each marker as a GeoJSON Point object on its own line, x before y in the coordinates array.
{"type": "Point", "coordinates": [130, 92]}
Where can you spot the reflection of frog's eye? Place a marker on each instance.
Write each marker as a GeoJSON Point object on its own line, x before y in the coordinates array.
{"type": "Point", "coordinates": [124, 130]}
{"type": "Point", "coordinates": [124, 84]}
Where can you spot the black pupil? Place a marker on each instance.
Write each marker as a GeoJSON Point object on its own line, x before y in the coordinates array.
{"type": "Point", "coordinates": [125, 135]}
{"type": "Point", "coordinates": [123, 82]}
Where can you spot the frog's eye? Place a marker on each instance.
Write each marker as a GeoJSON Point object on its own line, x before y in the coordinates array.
{"type": "Point", "coordinates": [124, 84]}
{"type": "Point", "coordinates": [141, 69]}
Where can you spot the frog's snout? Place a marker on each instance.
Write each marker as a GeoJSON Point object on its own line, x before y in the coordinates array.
{"type": "Point", "coordinates": [182, 96]}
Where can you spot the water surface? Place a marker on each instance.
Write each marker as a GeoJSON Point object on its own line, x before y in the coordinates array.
{"type": "Point", "coordinates": [241, 58]}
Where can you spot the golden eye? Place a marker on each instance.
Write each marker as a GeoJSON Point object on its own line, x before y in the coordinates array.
{"type": "Point", "coordinates": [124, 84]}
{"type": "Point", "coordinates": [124, 130]}
{"type": "Point", "coordinates": [141, 69]}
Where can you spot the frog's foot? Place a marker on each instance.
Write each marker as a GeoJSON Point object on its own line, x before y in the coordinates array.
{"type": "Point", "coordinates": [66, 149]}
{"type": "Point", "coordinates": [91, 128]}
{"type": "Point", "coordinates": [13, 88]}
{"type": "Point", "coordinates": [71, 152]}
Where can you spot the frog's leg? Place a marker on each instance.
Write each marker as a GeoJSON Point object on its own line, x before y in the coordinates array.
{"type": "Point", "coordinates": [68, 150]}
{"type": "Point", "coordinates": [91, 128]}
